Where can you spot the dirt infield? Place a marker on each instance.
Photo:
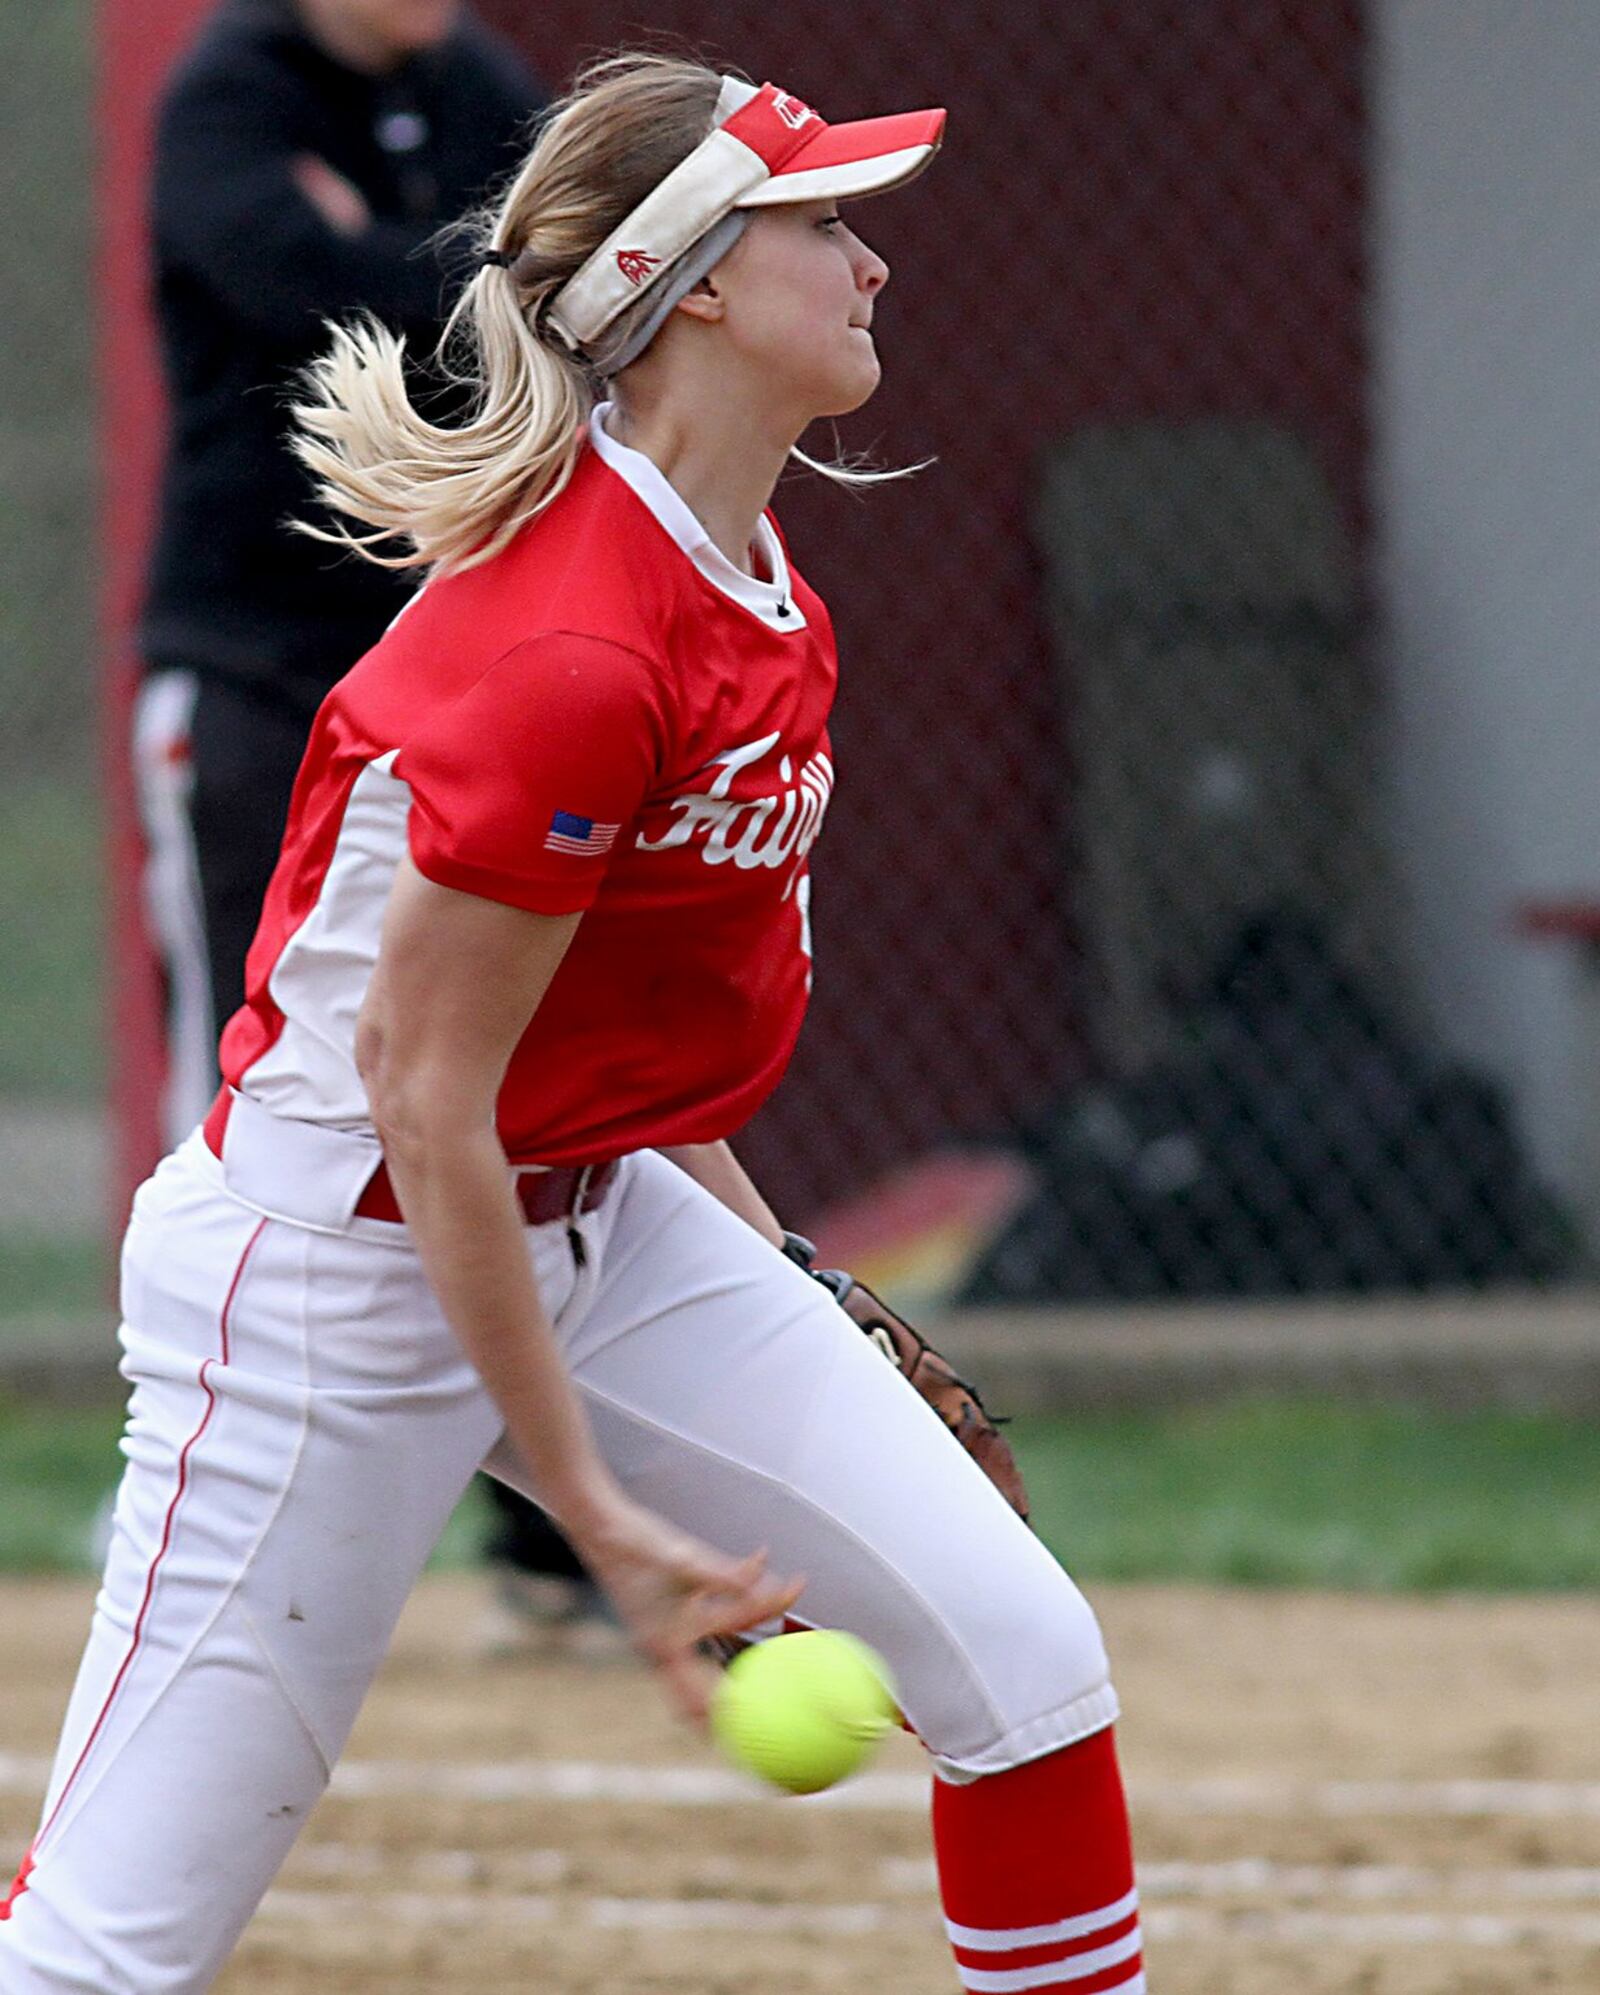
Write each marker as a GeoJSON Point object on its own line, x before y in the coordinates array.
{"type": "Point", "coordinates": [1331, 1794]}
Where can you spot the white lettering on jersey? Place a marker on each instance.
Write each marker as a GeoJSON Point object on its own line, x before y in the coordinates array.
{"type": "Point", "coordinates": [802, 901]}
{"type": "Point", "coordinates": [767, 830]}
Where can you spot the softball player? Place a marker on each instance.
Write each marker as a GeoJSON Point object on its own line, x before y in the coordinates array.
{"type": "Point", "coordinates": [535, 948]}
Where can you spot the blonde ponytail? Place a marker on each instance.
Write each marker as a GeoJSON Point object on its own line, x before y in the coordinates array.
{"type": "Point", "coordinates": [441, 497]}
{"type": "Point", "coordinates": [448, 496]}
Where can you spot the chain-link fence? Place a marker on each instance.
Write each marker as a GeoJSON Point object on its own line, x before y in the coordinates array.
{"type": "Point", "coordinates": [1106, 885]}
{"type": "Point", "coordinates": [46, 569]}
{"type": "Point", "coordinates": [49, 900]}
{"type": "Point", "coordinates": [1107, 890]}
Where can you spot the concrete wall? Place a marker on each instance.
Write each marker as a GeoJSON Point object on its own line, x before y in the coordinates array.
{"type": "Point", "coordinates": [1486, 355]}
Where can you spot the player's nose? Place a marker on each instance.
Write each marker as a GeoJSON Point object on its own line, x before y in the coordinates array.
{"type": "Point", "coordinates": [871, 272]}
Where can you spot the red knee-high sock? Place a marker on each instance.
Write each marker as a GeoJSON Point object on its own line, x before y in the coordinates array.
{"type": "Point", "coordinates": [1036, 1874]}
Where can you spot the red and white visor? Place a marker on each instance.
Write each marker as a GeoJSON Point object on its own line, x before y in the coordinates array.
{"type": "Point", "coordinates": [767, 148]}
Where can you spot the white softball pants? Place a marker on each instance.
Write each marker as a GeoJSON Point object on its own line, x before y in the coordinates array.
{"type": "Point", "coordinates": [163, 771]}
{"type": "Point", "coordinates": [302, 1423]}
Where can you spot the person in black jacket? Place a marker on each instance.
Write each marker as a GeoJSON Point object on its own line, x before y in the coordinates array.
{"type": "Point", "coordinates": [308, 155]}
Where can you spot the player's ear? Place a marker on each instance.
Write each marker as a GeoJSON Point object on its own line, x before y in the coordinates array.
{"type": "Point", "coordinates": [705, 302]}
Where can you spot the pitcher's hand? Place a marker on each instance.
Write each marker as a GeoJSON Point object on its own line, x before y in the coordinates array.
{"type": "Point", "coordinates": [673, 1593]}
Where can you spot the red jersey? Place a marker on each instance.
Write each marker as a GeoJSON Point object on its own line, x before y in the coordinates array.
{"type": "Point", "coordinates": [607, 716]}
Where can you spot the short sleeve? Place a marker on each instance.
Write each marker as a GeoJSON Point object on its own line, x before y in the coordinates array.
{"type": "Point", "coordinates": [522, 787]}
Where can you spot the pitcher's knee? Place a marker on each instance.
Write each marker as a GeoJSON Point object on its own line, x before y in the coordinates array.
{"type": "Point", "coordinates": [1031, 1675]}
{"type": "Point", "coordinates": [1069, 1635]}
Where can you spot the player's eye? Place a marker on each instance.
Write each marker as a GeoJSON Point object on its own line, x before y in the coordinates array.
{"type": "Point", "coordinates": [831, 222]}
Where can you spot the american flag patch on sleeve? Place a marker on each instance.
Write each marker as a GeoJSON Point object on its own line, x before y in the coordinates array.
{"type": "Point", "coordinates": [579, 836]}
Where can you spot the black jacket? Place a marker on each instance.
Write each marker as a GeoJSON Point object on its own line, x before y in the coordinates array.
{"type": "Point", "coordinates": [246, 270]}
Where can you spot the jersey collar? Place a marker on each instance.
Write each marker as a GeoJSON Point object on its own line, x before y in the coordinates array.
{"type": "Point", "coordinates": [772, 602]}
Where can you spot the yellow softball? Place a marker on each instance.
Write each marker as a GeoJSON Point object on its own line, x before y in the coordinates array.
{"type": "Point", "coordinates": [804, 1710]}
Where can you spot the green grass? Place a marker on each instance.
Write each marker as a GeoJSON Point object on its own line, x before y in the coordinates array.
{"type": "Point", "coordinates": [1275, 1493]}
{"type": "Point", "coordinates": [1261, 1494]}
{"type": "Point", "coordinates": [55, 1466]}
{"type": "Point", "coordinates": [54, 1274]}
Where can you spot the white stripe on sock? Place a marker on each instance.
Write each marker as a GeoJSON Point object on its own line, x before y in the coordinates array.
{"type": "Point", "coordinates": [1004, 1939]}
{"type": "Point", "coordinates": [1075, 1967]}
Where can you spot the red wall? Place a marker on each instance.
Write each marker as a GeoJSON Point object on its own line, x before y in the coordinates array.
{"type": "Point", "coordinates": [1142, 210]}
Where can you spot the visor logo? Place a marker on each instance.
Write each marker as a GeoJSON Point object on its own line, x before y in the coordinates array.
{"type": "Point", "coordinates": [636, 264]}
{"type": "Point", "coordinates": [793, 113]}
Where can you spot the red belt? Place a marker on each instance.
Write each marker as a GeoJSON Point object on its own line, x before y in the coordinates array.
{"type": "Point", "coordinates": [558, 1193]}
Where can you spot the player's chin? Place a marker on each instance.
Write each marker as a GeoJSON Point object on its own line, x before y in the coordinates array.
{"type": "Point", "coordinates": [855, 379]}
{"type": "Point", "coordinates": [426, 22]}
